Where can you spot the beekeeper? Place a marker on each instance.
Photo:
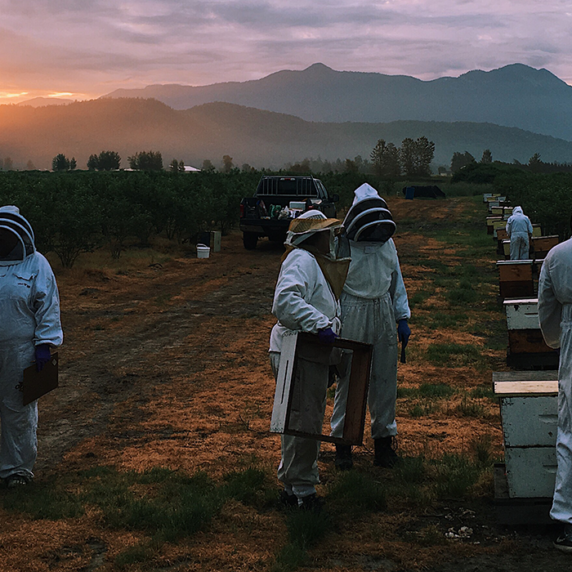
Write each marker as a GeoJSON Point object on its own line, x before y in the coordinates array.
{"type": "Point", "coordinates": [29, 326]}
{"type": "Point", "coordinates": [519, 230]}
{"type": "Point", "coordinates": [373, 302]}
{"type": "Point", "coordinates": [306, 300]}
{"type": "Point", "coordinates": [555, 314]}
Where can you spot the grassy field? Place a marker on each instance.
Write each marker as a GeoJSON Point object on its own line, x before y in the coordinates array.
{"type": "Point", "coordinates": [155, 452]}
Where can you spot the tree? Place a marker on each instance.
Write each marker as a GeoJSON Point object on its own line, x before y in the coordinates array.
{"type": "Point", "coordinates": [108, 161]}
{"type": "Point", "coordinates": [176, 166]}
{"type": "Point", "coordinates": [534, 163]}
{"type": "Point", "coordinates": [146, 161]}
{"type": "Point", "coordinates": [424, 153]}
{"type": "Point", "coordinates": [227, 164]}
{"type": "Point", "coordinates": [385, 158]}
{"type": "Point", "coordinates": [407, 156]}
{"type": "Point", "coordinates": [8, 164]}
{"type": "Point", "coordinates": [460, 160]}
{"type": "Point", "coordinates": [73, 164]}
{"type": "Point", "coordinates": [351, 166]}
{"type": "Point", "coordinates": [60, 163]}
{"type": "Point", "coordinates": [30, 166]}
{"type": "Point", "coordinates": [93, 162]}
{"type": "Point", "coordinates": [487, 156]}
{"type": "Point", "coordinates": [207, 166]}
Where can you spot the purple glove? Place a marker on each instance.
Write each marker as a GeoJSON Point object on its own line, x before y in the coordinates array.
{"type": "Point", "coordinates": [327, 336]}
{"type": "Point", "coordinates": [43, 356]}
{"type": "Point", "coordinates": [403, 332]}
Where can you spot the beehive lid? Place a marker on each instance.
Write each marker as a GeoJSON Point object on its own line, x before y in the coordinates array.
{"type": "Point", "coordinates": [519, 301]}
{"type": "Point", "coordinates": [525, 383]}
{"type": "Point", "coordinates": [511, 262]}
{"type": "Point", "coordinates": [525, 388]}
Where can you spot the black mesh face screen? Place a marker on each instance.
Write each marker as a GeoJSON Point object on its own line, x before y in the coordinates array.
{"type": "Point", "coordinates": [364, 206]}
{"type": "Point", "coordinates": [370, 222]}
{"type": "Point", "coordinates": [381, 232]}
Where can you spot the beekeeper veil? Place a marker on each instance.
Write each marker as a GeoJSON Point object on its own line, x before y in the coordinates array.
{"type": "Point", "coordinates": [369, 219]}
{"type": "Point", "coordinates": [308, 224]}
{"type": "Point", "coordinates": [12, 222]}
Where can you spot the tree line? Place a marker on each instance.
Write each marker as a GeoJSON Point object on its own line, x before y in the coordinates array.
{"type": "Point", "coordinates": [74, 212]}
{"type": "Point", "coordinates": [77, 212]}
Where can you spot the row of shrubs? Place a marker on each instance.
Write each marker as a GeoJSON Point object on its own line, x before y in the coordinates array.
{"type": "Point", "coordinates": [77, 212]}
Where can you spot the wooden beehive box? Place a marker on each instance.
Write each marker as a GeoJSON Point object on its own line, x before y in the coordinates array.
{"type": "Point", "coordinates": [515, 278]}
{"type": "Point", "coordinates": [356, 405]}
{"type": "Point", "coordinates": [522, 314]}
{"type": "Point", "coordinates": [524, 334]}
{"type": "Point", "coordinates": [529, 414]}
{"type": "Point", "coordinates": [490, 221]}
{"type": "Point", "coordinates": [501, 223]}
{"type": "Point", "coordinates": [541, 245]}
{"type": "Point", "coordinates": [502, 234]}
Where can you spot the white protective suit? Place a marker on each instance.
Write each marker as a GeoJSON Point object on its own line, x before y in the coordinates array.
{"type": "Point", "coordinates": [303, 301]}
{"type": "Point", "coordinates": [519, 228]}
{"type": "Point", "coordinates": [373, 301]}
{"type": "Point", "coordinates": [555, 314]}
{"type": "Point", "coordinates": [30, 316]}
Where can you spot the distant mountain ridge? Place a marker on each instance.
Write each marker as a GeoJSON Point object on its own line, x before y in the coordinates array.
{"type": "Point", "coordinates": [43, 101]}
{"type": "Point", "coordinates": [248, 135]}
{"type": "Point", "coordinates": [512, 96]}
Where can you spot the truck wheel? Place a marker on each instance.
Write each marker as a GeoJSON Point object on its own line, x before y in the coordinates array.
{"type": "Point", "coordinates": [249, 239]}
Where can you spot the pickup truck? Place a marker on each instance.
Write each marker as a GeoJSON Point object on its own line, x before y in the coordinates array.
{"type": "Point", "coordinates": [276, 202]}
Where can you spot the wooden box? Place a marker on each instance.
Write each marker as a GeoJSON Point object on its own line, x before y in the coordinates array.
{"type": "Point", "coordinates": [529, 414]}
{"type": "Point", "coordinates": [522, 314]}
{"type": "Point", "coordinates": [490, 221]}
{"type": "Point", "coordinates": [498, 224]}
{"type": "Point", "coordinates": [357, 390]}
{"type": "Point", "coordinates": [502, 234]}
{"type": "Point", "coordinates": [515, 278]}
{"type": "Point", "coordinates": [541, 245]}
{"type": "Point", "coordinates": [530, 471]}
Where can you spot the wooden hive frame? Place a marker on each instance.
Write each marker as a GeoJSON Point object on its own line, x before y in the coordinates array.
{"type": "Point", "coordinates": [356, 405]}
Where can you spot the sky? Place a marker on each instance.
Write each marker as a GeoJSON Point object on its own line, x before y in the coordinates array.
{"type": "Point", "coordinates": [82, 49]}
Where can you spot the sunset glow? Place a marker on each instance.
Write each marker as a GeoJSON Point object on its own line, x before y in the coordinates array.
{"type": "Point", "coordinates": [54, 50]}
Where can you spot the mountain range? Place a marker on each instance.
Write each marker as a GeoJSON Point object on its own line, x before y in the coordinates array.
{"type": "Point", "coordinates": [260, 138]}
{"type": "Point", "coordinates": [512, 96]}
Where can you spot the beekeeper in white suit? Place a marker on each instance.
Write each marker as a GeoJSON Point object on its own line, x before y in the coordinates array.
{"type": "Point", "coordinates": [29, 326]}
{"type": "Point", "coordinates": [306, 300]}
{"type": "Point", "coordinates": [519, 230]}
{"type": "Point", "coordinates": [555, 314]}
{"type": "Point", "coordinates": [374, 302]}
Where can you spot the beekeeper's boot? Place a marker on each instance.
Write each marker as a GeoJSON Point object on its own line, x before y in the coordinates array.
{"type": "Point", "coordinates": [344, 460]}
{"type": "Point", "coordinates": [385, 455]}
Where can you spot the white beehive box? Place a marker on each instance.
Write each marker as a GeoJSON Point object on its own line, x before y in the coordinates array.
{"type": "Point", "coordinates": [215, 241]}
{"type": "Point", "coordinates": [522, 314]}
{"type": "Point", "coordinates": [530, 472]}
{"type": "Point", "coordinates": [529, 413]}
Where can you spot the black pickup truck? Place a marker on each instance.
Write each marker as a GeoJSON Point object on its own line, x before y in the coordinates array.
{"type": "Point", "coordinates": [276, 202]}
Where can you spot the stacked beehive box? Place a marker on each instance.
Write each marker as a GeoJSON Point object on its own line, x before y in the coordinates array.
{"type": "Point", "coordinates": [528, 395]}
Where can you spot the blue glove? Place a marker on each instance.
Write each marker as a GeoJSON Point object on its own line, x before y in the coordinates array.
{"type": "Point", "coordinates": [403, 332]}
{"type": "Point", "coordinates": [43, 356]}
{"type": "Point", "coordinates": [327, 336]}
